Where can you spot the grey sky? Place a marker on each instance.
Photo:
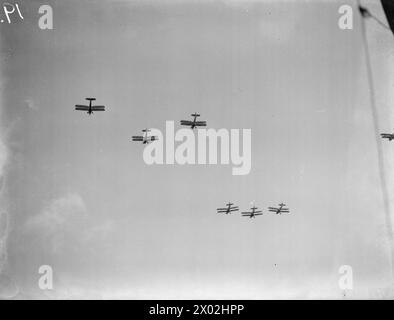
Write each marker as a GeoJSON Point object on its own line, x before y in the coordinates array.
{"type": "Point", "coordinates": [80, 198]}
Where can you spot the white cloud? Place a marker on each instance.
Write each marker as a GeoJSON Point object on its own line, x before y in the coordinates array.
{"type": "Point", "coordinates": [31, 105]}
{"type": "Point", "coordinates": [99, 231]}
{"type": "Point", "coordinates": [59, 212]}
{"type": "Point", "coordinates": [3, 239]}
{"type": "Point", "coordinates": [3, 156]}
{"type": "Point", "coordinates": [63, 217]}
{"type": "Point", "coordinates": [3, 215]}
{"type": "Point", "coordinates": [8, 288]}
{"type": "Point", "coordinates": [65, 224]}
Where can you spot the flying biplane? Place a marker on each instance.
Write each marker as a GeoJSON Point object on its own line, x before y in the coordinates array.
{"type": "Point", "coordinates": [253, 213]}
{"type": "Point", "coordinates": [229, 209]}
{"type": "Point", "coordinates": [145, 139]}
{"type": "Point", "coordinates": [89, 108]}
{"type": "Point", "coordinates": [193, 124]}
{"type": "Point", "coordinates": [389, 136]}
{"type": "Point", "coordinates": [281, 209]}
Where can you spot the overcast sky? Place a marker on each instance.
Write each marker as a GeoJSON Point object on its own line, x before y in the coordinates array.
{"type": "Point", "coordinates": [79, 197]}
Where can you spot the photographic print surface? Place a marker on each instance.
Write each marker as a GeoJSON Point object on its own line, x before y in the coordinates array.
{"type": "Point", "coordinates": [220, 149]}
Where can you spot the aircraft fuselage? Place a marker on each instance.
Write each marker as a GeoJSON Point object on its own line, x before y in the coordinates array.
{"type": "Point", "coordinates": [90, 111]}
{"type": "Point", "coordinates": [194, 122]}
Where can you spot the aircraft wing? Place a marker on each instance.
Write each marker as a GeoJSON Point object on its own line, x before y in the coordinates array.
{"type": "Point", "coordinates": [272, 208]}
{"type": "Point", "coordinates": [246, 213]}
{"type": "Point", "coordinates": [258, 211]}
{"type": "Point", "coordinates": [137, 138]}
{"type": "Point", "coordinates": [201, 123]}
{"type": "Point", "coordinates": [186, 123]}
{"type": "Point", "coordinates": [81, 107]}
{"type": "Point", "coordinates": [153, 138]}
{"type": "Point", "coordinates": [258, 214]}
{"type": "Point", "coordinates": [98, 108]}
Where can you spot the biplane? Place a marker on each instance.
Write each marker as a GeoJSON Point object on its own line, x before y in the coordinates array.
{"type": "Point", "coordinates": [89, 108]}
{"type": "Point", "coordinates": [194, 123]}
{"type": "Point", "coordinates": [229, 209]}
{"type": "Point", "coordinates": [281, 209]}
{"type": "Point", "coordinates": [145, 139]}
{"type": "Point", "coordinates": [253, 213]}
{"type": "Point", "coordinates": [389, 136]}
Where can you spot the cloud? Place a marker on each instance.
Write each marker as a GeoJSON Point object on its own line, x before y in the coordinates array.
{"type": "Point", "coordinates": [3, 214]}
{"type": "Point", "coordinates": [3, 239]}
{"type": "Point", "coordinates": [59, 212]}
{"type": "Point", "coordinates": [3, 156]}
{"type": "Point", "coordinates": [60, 219]}
{"type": "Point", "coordinates": [63, 235]}
{"type": "Point", "coordinates": [65, 225]}
{"type": "Point", "coordinates": [29, 103]}
{"type": "Point", "coordinates": [8, 288]}
{"type": "Point", "coordinates": [99, 231]}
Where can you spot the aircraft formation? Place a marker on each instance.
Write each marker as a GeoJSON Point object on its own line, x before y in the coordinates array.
{"type": "Point", "coordinates": [230, 208]}
{"type": "Point", "coordinates": [145, 138]}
